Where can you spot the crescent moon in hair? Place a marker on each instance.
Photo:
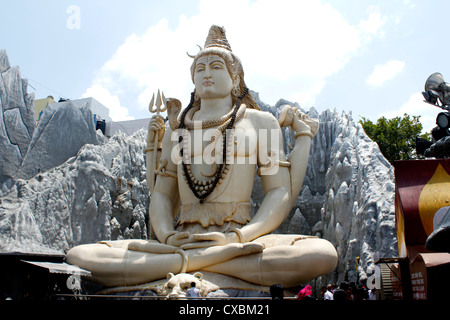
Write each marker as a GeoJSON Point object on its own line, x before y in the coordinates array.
{"type": "Point", "coordinates": [193, 56]}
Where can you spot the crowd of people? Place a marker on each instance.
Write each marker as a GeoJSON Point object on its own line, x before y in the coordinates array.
{"type": "Point", "coordinates": [347, 291]}
{"type": "Point", "coordinates": [344, 292]}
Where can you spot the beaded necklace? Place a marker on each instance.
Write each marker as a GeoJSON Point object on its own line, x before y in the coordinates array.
{"type": "Point", "coordinates": [202, 189]}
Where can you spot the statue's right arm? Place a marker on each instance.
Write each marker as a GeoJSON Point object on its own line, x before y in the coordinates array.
{"type": "Point", "coordinates": [165, 195]}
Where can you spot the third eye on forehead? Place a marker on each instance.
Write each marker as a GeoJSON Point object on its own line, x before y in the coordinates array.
{"type": "Point", "coordinates": [209, 59]}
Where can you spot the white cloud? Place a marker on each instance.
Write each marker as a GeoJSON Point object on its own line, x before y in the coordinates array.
{"type": "Point", "coordinates": [409, 5]}
{"type": "Point", "coordinates": [384, 72]}
{"type": "Point", "coordinates": [415, 106]}
{"type": "Point", "coordinates": [287, 44]}
{"type": "Point", "coordinates": [102, 95]}
{"type": "Point", "coordinates": [374, 23]}
{"type": "Point", "coordinates": [307, 96]}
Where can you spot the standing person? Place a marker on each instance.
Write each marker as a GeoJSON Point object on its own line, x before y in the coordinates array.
{"type": "Point", "coordinates": [373, 294]}
{"type": "Point", "coordinates": [277, 292]}
{"type": "Point", "coordinates": [328, 294]}
{"type": "Point", "coordinates": [193, 292]}
{"type": "Point", "coordinates": [340, 294]}
{"type": "Point", "coordinates": [305, 293]}
{"type": "Point", "coordinates": [323, 289]}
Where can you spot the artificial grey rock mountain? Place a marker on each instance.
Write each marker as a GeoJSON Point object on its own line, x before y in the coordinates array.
{"type": "Point", "coordinates": [27, 150]}
{"type": "Point", "coordinates": [358, 214]}
{"type": "Point", "coordinates": [99, 191]}
{"type": "Point", "coordinates": [62, 130]}
{"type": "Point", "coordinates": [99, 194]}
{"type": "Point", "coordinates": [16, 118]}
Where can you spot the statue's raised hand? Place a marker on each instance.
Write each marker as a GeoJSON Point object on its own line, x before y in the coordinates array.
{"type": "Point", "coordinates": [156, 124]}
{"type": "Point", "coordinates": [302, 122]}
{"type": "Point", "coordinates": [297, 120]}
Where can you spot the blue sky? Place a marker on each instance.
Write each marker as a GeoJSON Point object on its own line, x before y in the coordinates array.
{"type": "Point", "coordinates": [370, 58]}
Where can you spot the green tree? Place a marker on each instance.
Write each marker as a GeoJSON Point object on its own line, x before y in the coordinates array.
{"type": "Point", "coordinates": [396, 137]}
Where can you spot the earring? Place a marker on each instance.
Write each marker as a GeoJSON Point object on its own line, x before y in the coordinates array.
{"type": "Point", "coordinates": [236, 92]}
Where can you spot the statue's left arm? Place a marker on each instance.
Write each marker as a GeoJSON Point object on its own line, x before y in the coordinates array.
{"type": "Point", "coordinates": [275, 178]}
{"type": "Point", "coordinates": [304, 129]}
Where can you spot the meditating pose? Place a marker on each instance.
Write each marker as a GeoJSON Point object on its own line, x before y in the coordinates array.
{"type": "Point", "coordinates": [201, 179]}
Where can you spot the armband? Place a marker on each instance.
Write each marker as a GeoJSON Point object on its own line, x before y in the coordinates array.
{"type": "Point", "coordinates": [303, 133]}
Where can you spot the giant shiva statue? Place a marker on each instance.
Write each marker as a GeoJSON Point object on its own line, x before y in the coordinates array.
{"type": "Point", "coordinates": [201, 178]}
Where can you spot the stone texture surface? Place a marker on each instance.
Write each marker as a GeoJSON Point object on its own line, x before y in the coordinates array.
{"type": "Point", "coordinates": [16, 118]}
{"type": "Point", "coordinates": [61, 132]}
{"type": "Point", "coordinates": [99, 194]}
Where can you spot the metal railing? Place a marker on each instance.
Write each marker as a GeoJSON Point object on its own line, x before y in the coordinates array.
{"type": "Point", "coordinates": [137, 297]}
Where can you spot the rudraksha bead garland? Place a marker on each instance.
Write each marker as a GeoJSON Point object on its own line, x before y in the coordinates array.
{"type": "Point", "coordinates": [202, 189]}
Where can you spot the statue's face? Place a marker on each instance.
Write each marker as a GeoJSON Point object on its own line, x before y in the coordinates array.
{"type": "Point", "coordinates": [211, 78]}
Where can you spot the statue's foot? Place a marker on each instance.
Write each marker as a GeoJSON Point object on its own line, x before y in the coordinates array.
{"type": "Point", "coordinates": [151, 247]}
{"type": "Point", "coordinates": [233, 250]}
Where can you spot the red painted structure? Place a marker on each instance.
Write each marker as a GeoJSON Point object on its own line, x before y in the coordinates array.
{"type": "Point", "coordinates": [422, 189]}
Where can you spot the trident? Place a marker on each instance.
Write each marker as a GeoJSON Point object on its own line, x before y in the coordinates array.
{"type": "Point", "coordinates": [156, 108]}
